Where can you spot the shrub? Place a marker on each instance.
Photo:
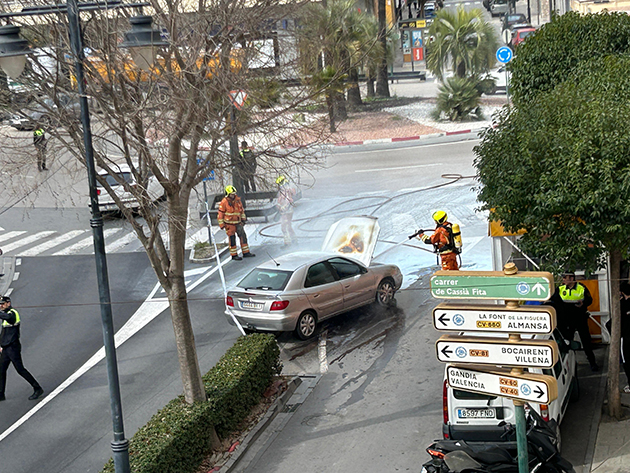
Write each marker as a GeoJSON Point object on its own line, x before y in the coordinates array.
{"type": "Point", "coordinates": [177, 438]}
{"type": "Point", "coordinates": [458, 98]}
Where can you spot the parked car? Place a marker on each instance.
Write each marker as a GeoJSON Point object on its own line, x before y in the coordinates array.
{"type": "Point", "coordinates": [106, 201]}
{"type": "Point", "coordinates": [45, 113]}
{"type": "Point", "coordinates": [519, 34]}
{"type": "Point", "coordinates": [476, 417]}
{"type": "Point", "coordinates": [509, 20]}
{"type": "Point", "coordinates": [297, 291]}
{"type": "Point", "coordinates": [430, 10]}
{"type": "Point", "coordinates": [499, 79]}
{"type": "Point", "coordinates": [498, 7]}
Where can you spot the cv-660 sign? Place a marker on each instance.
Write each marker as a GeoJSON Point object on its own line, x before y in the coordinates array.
{"type": "Point", "coordinates": [497, 351]}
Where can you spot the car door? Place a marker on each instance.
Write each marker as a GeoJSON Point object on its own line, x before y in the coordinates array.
{"type": "Point", "coordinates": [323, 290]}
{"type": "Point", "coordinates": [358, 283]}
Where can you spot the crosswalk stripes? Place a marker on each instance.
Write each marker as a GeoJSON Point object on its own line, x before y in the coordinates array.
{"type": "Point", "coordinates": [10, 235]}
{"type": "Point", "coordinates": [84, 243]}
{"type": "Point", "coordinates": [47, 245]}
{"type": "Point", "coordinates": [26, 241]}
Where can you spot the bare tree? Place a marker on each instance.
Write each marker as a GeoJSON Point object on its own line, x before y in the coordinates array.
{"type": "Point", "coordinates": [158, 121]}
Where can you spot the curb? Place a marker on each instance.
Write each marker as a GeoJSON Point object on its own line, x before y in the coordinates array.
{"type": "Point", "coordinates": [8, 268]}
{"type": "Point", "coordinates": [298, 389]}
{"type": "Point", "coordinates": [407, 138]}
{"type": "Point", "coordinates": [599, 401]}
{"type": "Point", "coordinates": [209, 258]}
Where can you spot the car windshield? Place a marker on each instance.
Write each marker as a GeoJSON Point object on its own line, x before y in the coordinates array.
{"type": "Point", "coordinates": [513, 18]}
{"type": "Point", "coordinates": [111, 180]}
{"type": "Point", "coordinates": [266, 279]}
{"type": "Point", "coordinates": [525, 34]}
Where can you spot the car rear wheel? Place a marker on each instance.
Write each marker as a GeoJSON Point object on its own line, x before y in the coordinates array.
{"type": "Point", "coordinates": [385, 293]}
{"type": "Point", "coordinates": [306, 325]}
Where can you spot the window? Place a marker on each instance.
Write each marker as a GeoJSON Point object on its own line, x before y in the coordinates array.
{"type": "Point", "coordinates": [318, 274]}
{"type": "Point", "coordinates": [345, 269]}
{"type": "Point", "coordinates": [266, 279]}
{"type": "Point", "coordinates": [111, 180]}
{"type": "Point", "coordinates": [467, 395]}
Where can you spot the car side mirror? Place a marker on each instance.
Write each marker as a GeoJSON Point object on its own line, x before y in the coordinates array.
{"type": "Point", "coordinates": [575, 345]}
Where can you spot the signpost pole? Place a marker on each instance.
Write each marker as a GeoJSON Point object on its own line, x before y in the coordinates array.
{"type": "Point", "coordinates": [521, 437]}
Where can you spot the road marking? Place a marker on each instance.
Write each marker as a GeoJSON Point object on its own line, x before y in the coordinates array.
{"type": "Point", "coordinates": [321, 350]}
{"type": "Point", "coordinates": [84, 243]}
{"type": "Point", "coordinates": [18, 261]}
{"type": "Point", "coordinates": [399, 167]}
{"type": "Point", "coordinates": [118, 244]}
{"type": "Point", "coordinates": [9, 291]}
{"type": "Point", "coordinates": [26, 241]}
{"type": "Point", "coordinates": [10, 235]}
{"type": "Point", "coordinates": [36, 250]}
{"type": "Point", "coordinates": [148, 311]}
{"type": "Point", "coordinates": [16, 276]}
{"type": "Point", "coordinates": [433, 145]}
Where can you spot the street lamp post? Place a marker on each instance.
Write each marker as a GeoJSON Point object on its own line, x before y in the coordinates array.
{"type": "Point", "coordinates": [145, 39]}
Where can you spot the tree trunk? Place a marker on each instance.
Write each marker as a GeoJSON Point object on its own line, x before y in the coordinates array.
{"type": "Point", "coordinates": [614, 399]}
{"type": "Point", "coordinates": [331, 112]}
{"type": "Point", "coordinates": [382, 85]}
{"type": "Point", "coordinates": [370, 87]}
{"type": "Point", "coordinates": [354, 93]}
{"type": "Point", "coordinates": [340, 106]}
{"type": "Point", "coordinates": [178, 302]}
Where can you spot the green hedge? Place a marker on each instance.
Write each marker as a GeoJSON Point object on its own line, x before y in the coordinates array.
{"type": "Point", "coordinates": [178, 437]}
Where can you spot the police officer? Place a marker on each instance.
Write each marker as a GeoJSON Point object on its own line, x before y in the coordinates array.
{"type": "Point", "coordinates": [11, 349]}
{"type": "Point", "coordinates": [575, 301]}
{"type": "Point", "coordinates": [39, 140]}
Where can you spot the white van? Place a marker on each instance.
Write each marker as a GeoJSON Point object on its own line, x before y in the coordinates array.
{"type": "Point", "coordinates": [472, 416]}
{"type": "Point", "coordinates": [498, 7]}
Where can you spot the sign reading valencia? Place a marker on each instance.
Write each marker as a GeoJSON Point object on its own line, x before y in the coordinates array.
{"type": "Point", "coordinates": [523, 286]}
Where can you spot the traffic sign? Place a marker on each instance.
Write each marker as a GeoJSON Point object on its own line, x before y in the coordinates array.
{"type": "Point", "coordinates": [504, 54]}
{"type": "Point", "coordinates": [497, 351]}
{"type": "Point", "coordinates": [238, 97]}
{"type": "Point", "coordinates": [524, 286]}
{"type": "Point", "coordinates": [529, 387]}
{"type": "Point", "coordinates": [494, 318]}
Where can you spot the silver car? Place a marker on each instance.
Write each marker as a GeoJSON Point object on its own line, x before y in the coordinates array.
{"type": "Point", "coordinates": [297, 291]}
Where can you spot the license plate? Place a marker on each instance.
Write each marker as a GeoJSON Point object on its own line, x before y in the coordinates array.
{"type": "Point", "coordinates": [475, 413]}
{"type": "Point", "coordinates": [252, 305]}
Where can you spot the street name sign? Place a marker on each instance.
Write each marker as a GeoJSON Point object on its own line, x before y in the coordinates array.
{"type": "Point", "coordinates": [494, 318]}
{"type": "Point", "coordinates": [523, 286]}
{"type": "Point", "coordinates": [529, 387]}
{"type": "Point", "coordinates": [497, 351]}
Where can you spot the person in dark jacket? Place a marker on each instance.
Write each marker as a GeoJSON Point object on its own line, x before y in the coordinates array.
{"type": "Point", "coordinates": [248, 168]}
{"type": "Point", "coordinates": [625, 331]}
{"type": "Point", "coordinates": [11, 349]}
{"type": "Point", "coordinates": [40, 142]}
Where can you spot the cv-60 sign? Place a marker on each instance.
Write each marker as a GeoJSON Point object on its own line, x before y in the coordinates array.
{"type": "Point", "coordinates": [495, 318]}
{"type": "Point", "coordinates": [523, 286]}
{"type": "Point", "coordinates": [497, 351]}
{"type": "Point", "coordinates": [529, 387]}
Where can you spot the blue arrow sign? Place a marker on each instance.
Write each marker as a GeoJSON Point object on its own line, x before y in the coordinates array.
{"type": "Point", "coordinates": [504, 54]}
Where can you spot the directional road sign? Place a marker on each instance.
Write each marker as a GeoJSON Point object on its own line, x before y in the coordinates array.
{"type": "Point", "coordinates": [504, 54]}
{"type": "Point", "coordinates": [497, 351]}
{"type": "Point", "coordinates": [529, 387]}
{"type": "Point", "coordinates": [494, 318]}
{"type": "Point", "coordinates": [524, 286]}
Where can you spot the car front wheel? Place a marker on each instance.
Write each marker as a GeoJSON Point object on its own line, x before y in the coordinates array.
{"type": "Point", "coordinates": [385, 293]}
{"type": "Point", "coordinates": [306, 325]}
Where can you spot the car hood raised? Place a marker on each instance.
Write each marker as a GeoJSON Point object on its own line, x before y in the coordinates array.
{"type": "Point", "coordinates": [353, 237]}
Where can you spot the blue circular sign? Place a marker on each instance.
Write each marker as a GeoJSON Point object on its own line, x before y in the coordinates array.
{"type": "Point", "coordinates": [522, 288]}
{"type": "Point", "coordinates": [458, 319]}
{"type": "Point", "coordinates": [504, 54]}
{"type": "Point", "coordinates": [526, 390]}
{"type": "Point", "coordinates": [461, 352]}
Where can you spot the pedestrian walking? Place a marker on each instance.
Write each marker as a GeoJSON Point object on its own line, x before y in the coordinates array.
{"type": "Point", "coordinates": [40, 142]}
{"type": "Point", "coordinates": [11, 349]}
{"type": "Point", "coordinates": [285, 204]}
{"type": "Point", "coordinates": [232, 218]}
{"type": "Point", "coordinates": [446, 240]}
{"type": "Point", "coordinates": [249, 165]}
{"type": "Point", "coordinates": [576, 298]}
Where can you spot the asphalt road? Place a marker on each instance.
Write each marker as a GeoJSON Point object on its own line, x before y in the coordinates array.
{"type": "Point", "coordinates": [380, 401]}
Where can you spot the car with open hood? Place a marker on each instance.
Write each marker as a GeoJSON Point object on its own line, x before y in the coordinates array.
{"type": "Point", "coordinates": [297, 291]}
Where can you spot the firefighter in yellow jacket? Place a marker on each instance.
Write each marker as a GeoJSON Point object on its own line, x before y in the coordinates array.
{"type": "Point", "coordinates": [232, 218]}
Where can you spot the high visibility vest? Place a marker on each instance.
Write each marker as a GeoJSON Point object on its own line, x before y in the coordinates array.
{"type": "Point", "coordinates": [572, 296]}
{"type": "Point", "coordinates": [38, 132]}
{"type": "Point", "coordinates": [5, 323]}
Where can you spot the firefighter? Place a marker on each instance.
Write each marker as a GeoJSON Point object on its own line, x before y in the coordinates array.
{"type": "Point", "coordinates": [232, 219]}
{"type": "Point", "coordinates": [285, 204]}
{"type": "Point", "coordinates": [446, 240]}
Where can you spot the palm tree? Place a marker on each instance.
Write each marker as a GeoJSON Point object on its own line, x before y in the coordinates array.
{"type": "Point", "coordinates": [462, 41]}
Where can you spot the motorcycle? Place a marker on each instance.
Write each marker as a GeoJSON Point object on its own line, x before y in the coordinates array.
{"type": "Point", "coordinates": [458, 456]}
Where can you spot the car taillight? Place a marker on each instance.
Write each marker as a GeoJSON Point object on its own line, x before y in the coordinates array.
{"type": "Point", "coordinates": [229, 301]}
{"type": "Point", "coordinates": [279, 305]}
{"type": "Point", "coordinates": [445, 405]}
{"type": "Point", "coordinates": [544, 412]}
{"type": "Point", "coordinates": [98, 192]}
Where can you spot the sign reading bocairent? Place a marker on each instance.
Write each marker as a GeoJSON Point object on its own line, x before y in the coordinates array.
{"type": "Point", "coordinates": [497, 351]}
{"type": "Point", "coordinates": [524, 286]}
{"type": "Point", "coordinates": [528, 387]}
{"type": "Point", "coordinates": [494, 318]}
